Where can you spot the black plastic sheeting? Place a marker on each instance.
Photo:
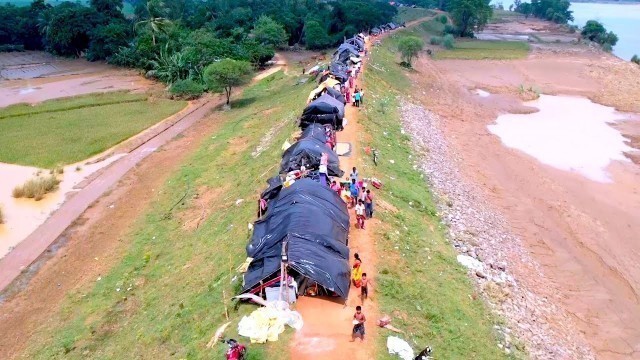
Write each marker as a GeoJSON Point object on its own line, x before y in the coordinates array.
{"type": "Point", "coordinates": [357, 42]}
{"type": "Point", "coordinates": [336, 94]}
{"type": "Point", "coordinates": [308, 152]}
{"type": "Point", "coordinates": [315, 131]}
{"type": "Point", "coordinates": [325, 110]}
{"type": "Point", "coordinates": [314, 222]}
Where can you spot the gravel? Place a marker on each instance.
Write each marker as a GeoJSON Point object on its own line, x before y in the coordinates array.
{"type": "Point", "coordinates": [481, 235]}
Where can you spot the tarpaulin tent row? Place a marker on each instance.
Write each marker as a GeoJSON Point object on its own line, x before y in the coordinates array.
{"type": "Point", "coordinates": [308, 152]}
{"type": "Point", "coordinates": [324, 89]}
{"type": "Point", "coordinates": [325, 110]}
{"type": "Point", "coordinates": [310, 223]}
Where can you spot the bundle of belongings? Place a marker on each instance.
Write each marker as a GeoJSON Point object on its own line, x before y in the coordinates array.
{"type": "Point", "coordinates": [325, 110]}
{"type": "Point", "coordinates": [308, 224]}
{"type": "Point", "coordinates": [267, 323]}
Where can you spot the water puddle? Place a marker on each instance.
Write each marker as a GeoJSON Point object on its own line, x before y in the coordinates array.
{"type": "Point", "coordinates": [23, 216]}
{"type": "Point", "coordinates": [26, 91]}
{"type": "Point", "coordinates": [568, 133]}
{"type": "Point", "coordinates": [482, 93]}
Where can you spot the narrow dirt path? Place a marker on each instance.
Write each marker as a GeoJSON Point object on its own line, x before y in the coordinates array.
{"type": "Point", "coordinates": [327, 324]}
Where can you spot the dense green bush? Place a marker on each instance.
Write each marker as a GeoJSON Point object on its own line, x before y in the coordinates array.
{"type": "Point", "coordinates": [635, 59]}
{"type": "Point", "coordinates": [410, 47]}
{"type": "Point", "coordinates": [186, 89]}
{"type": "Point", "coordinates": [450, 29]}
{"type": "Point", "coordinates": [443, 19]}
{"type": "Point", "coordinates": [435, 40]}
{"type": "Point", "coordinates": [596, 32]}
{"type": "Point", "coordinates": [448, 41]}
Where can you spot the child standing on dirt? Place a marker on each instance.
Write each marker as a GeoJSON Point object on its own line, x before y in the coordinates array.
{"type": "Point", "coordinates": [360, 214]}
{"type": "Point", "coordinates": [357, 98]}
{"type": "Point", "coordinates": [358, 324]}
{"type": "Point", "coordinates": [364, 289]}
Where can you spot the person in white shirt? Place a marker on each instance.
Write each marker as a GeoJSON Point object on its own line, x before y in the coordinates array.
{"type": "Point", "coordinates": [360, 214]}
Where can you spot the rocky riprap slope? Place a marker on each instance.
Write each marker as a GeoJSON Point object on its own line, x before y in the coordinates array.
{"type": "Point", "coordinates": [489, 250]}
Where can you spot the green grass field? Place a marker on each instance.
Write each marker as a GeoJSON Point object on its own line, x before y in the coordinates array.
{"type": "Point", "coordinates": [177, 276]}
{"type": "Point", "coordinates": [485, 50]}
{"type": "Point", "coordinates": [68, 130]}
{"type": "Point", "coordinates": [419, 280]}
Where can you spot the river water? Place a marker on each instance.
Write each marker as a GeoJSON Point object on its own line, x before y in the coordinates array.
{"type": "Point", "coordinates": [622, 19]}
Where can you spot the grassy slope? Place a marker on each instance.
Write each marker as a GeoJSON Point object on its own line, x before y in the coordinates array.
{"type": "Point", "coordinates": [420, 281]}
{"type": "Point", "coordinates": [468, 49]}
{"type": "Point", "coordinates": [65, 131]}
{"type": "Point", "coordinates": [177, 277]}
{"type": "Point", "coordinates": [485, 50]}
{"type": "Point", "coordinates": [409, 14]}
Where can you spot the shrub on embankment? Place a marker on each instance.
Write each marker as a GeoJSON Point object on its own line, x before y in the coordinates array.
{"type": "Point", "coordinates": [1, 216]}
{"type": "Point", "coordinates": [596, 32]}
{"type": "Point", "coordinates": [635, 59]}
{"type": "Point", "coordinates": [36, 188]}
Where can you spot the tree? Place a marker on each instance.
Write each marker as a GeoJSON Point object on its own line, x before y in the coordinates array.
{"type": "Point", "coordinates": [268, 32]}
{"type": "Point", "coordinates": [315, 36]}
{"type": "Point", "coordinates": [596, 32]}
{"type": "Point", "coordinates": [155, 22]}
{"type": "Point", "coordinates": [67, 32]}
{"type": "Point", "coordinates": [635, 59]}
{"type": "Point", "coordinates": [108, 8]}
{"type": "Point", "coordinates": [410, 47]}
{"type": "Point", "coordinates": [106, 40]}
{"type": "Point", "coordinates": [470, 15]}
{"type": "Point", "coordinates": [226, 74]}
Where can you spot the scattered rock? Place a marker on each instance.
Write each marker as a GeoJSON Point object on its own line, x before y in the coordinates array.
{"type": "Point", "coordinates": [479, 232]}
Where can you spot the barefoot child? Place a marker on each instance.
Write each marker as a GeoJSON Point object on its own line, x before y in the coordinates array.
{"type": "Point", "coordinates": [364, 289]}
{"type": "Point", "coordinates": [358, 324]}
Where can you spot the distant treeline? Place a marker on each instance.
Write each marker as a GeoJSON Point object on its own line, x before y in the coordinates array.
{"type": "Point", "coordinates": [181, 37]}
{"type": "Point", "coordinates": [552, 10]}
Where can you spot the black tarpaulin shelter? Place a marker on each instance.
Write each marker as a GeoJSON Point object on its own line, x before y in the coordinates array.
{"type": "Point", "coordinates": [314, 223]}
{"type": "Point", "coordinates": [357, 42]}
{"type": "Point", "coordinates": [335, 94]}
{"type": "Point", "coordinates": [339, 70]}
{"type": "Point", "coordinates": [315, 131]}
{"type": "Point", "coordinates": [325, 110]}
{"type": "Point", "coordinates": [308, 152]}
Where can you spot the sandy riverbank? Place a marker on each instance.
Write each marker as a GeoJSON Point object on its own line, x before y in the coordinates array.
{"type": "Point", "coordinates": [580, 232]}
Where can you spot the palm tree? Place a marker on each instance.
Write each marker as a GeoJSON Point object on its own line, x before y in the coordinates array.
{"type": "Point", "coordinates": [156, 22]}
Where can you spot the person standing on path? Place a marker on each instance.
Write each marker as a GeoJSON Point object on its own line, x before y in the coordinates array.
{"type": "Point", "coordinates": [357, 98]}
{"type": "Point", "coordinates": [364, 289]}
{"type": "Point", "coordinates": [360, 215]}
{"type": "Point", "coordinates": [358, 324]}
{"type": "Point", "coordinates": [354, 174]}
{"type": "Point", "coordinates": [356, 271]}
{"type": "Point", "coordinates": [353, 188]}
{"type": "Point", "coordinates": [368, 203]}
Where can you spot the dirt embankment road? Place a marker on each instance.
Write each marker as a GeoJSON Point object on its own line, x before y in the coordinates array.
{"type": "Point", "coordinates": [583, 233]}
